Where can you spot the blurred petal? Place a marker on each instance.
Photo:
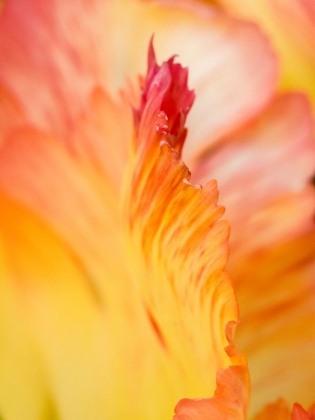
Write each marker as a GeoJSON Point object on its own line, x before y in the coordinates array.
{"type": "Point", "coordinates": [299, 15]}
{"type": "Point", "coordinates": [280, 411]}
{"type": "Point", "coordinates": [272, 244]}
{"type": "Point", "coordinates": [39, 278]}
{"type": "Point", "coordinates": [290, 26]}
{"type": "Point", "coordinates": [83, 38]}
{"type": "Point", "coordinates": [274, 157]}
{"type": "Point", "coordinates": [171, 275]}
{"type": "Point", "coordinates": [79, 202]}
{"type": "Point", "coordinates": [275, 411]}
{"type": "Point", "coordinates": [298, 413]}
{"type": "Point", "coordinates": [203, 35]}
{"type": "Point", "coordinates": [283, 277]}
{"type": "Point", "coordinates": [296, 21]}
{"type": "Point", "coordinates": [50, 56]}
{"type": "Point", "coordinates": [11, 114]}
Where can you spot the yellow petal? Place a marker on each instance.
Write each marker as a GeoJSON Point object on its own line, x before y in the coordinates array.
{"type": "Point", "coordinates": [49, 315]}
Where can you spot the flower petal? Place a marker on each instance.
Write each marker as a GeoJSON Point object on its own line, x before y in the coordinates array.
{"type": "Point", "coordinates": [83, 38]}
{"type": "Point", "coordinates": [280, 411]}
{"type": "Point", "coordinates": [157, 311]}
{"type": "Point", "coordinates": [276, 411]}
{"type": "Point", "coordinates": [50, 57]}
{"type": "Point", "coordinates": [11, 114]}
{"type": "Point", "coordinates": [283, 278]}
{"type": "Point", "coordinates": [298, 413]}
{"type": "Point", "coordinates": [84, 207]}
{"type": "Point", "coordinates": [290, 26]}
{"type": "Point", "coordinates": [173, 226]}
{"type": "Point", "coordinates": [49, 314]}
{"type": "Point", "coordinates": [230, 401]}
{"type": "Point", "coordinates": [301, 15]}
{"type": "Point", "coordinates": [63, 83]}
{"type": "Point", "coordinates": [281, 139]}
{"type": "Point", "coordinates": [201, 34]}
{"type": "Point", "coordinates": [272, 244]}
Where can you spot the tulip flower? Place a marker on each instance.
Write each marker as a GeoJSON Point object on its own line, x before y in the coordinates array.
{"type": "Point", "coordinates": [115, 300]}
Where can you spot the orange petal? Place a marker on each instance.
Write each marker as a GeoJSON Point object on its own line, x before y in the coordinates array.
{"type": "Point", "coordinates": [228, 403]}
{"type": "Point", "coordinates": [275, 411]}
{"type": "Point", "coordinates": [298, 413]}
{"type": "Point", "coordinates": [175, 226]}
{"type": "Point", "coordinates": [280, 411]}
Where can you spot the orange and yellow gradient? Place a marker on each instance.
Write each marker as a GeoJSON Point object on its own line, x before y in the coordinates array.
{"type": "Point", "coordinates": [115, 299]}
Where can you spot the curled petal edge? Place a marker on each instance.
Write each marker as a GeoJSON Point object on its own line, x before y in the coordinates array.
{"type": "Point", "coordinates": [230, 400]}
